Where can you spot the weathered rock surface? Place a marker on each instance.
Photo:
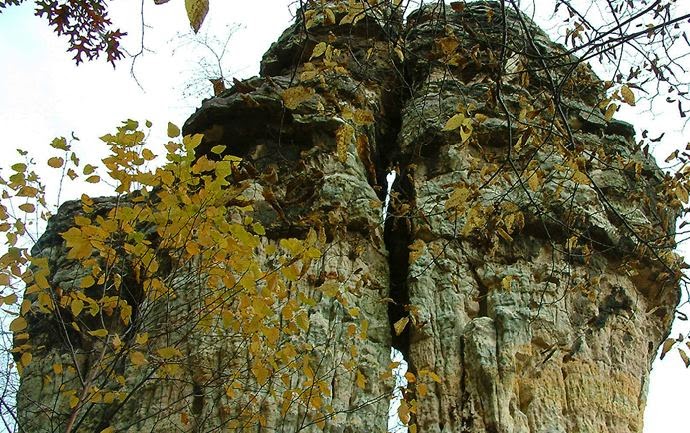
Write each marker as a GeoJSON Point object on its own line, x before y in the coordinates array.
{"type": "Point", "coordinates": [530, 255]}
{"type": "Point", "coordinates": [541, 305]}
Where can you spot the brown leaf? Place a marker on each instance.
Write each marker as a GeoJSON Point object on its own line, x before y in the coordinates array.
{"type": "Point", "coordinates": [628, 95]}
{"type": "Point", "coordinates": [668, 344]}
{"type": "Point", "coordinates": [196, 12]}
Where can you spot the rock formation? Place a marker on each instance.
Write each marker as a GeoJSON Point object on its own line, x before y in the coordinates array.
{"type": "Point", "coordinates": [525, 247]}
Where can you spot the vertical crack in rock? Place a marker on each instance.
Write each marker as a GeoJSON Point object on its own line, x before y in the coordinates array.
{"type": "Point", "coordinates": [397, 236]}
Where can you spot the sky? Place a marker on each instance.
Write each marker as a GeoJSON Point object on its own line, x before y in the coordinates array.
{"type": "Point", "coordinates": [44, 95]}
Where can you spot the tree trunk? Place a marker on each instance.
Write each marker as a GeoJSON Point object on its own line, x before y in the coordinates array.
{"type": "Point", "coordinates": [524, 248]}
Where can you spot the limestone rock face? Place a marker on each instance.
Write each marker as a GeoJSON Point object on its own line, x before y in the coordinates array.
{"type": "Point", "coordinates": [524, 243]}
{"type": "Point", "coordinates": [540, 306]}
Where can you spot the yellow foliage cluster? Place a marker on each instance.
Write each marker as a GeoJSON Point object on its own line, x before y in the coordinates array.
{"type": "Point", "coordinates": [176, 250]}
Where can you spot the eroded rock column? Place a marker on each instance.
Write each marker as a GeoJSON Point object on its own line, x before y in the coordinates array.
{"type": "Point", "coordinates": [313, 126]}
{"type": "Point", "coordinates": [535, 238]}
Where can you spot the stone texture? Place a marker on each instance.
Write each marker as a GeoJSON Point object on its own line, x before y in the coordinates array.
{"type": "Point", "coordinates": [530, 334]}
{"type": "Point", "coordinates": [539, 304]}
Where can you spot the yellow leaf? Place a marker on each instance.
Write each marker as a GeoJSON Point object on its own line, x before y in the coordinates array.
{"type": "Point", "coordinates": [312, 253]}
{"type": "Point", "coordinates": [455, 122]}
{"type": "Point", "coordinates": [480, 118]}
{"type": "Point", "coordinates": [610, 111]}
{"type": "Point", "coordinates": [218, 149]}
{"type": "Point", "coordinates": [504, 234]}
{"type": "Point", "coordinates": [261, 373]}
{"type": "Point", "coordinates": [416, 250]}
{"type": "Point", "coordinates": [294, 96]}
{"type": "Point", "coordinates": [581, 178]}
{"type": "Point", "coordinates": [60, 143]}
{"type": "Point", "coordinates": [108, 430]}
{"type": "Point", "coordinates": [25, 359]}
{"type": "Point", "coordinates": [628, 95]}
{"type": "Point", "coordinates": [93, 179]}
{"type": "Point", "coordinates": [404, 412]}
{"type": "Point", "coordinates": [196, 12]}
{"type": "Point", "coordinates": [27, 207]}
{"type": "Point", "coordinates": [101, 333]}
{"type": "Point", "coordinates": [258, 229]}
{"type": "Point", "coordinates": [363, 117]}
{"type": "Point", "coordinates": [302, 321]}
{"type": "Point", "coordinates": [507, 282]}
{"type": "Point", "coordinates": [57, 368]}
{"type": "Point", "coordinates": [448, 45]}
{"type": "Point", "coordinates": [27, 191]}
{"type": "Point", "coordinates": [55, 162]}
{"type": "Point", "coordinates": [292, 245]}
{"type": "Point", "coordinates": [434, 376]}
{"type": "Point", "coordinates": [142, 338]}
{"type": "Point", "coordinates": [318, 51]}
{"type": "Point", "coordinates": [126, 314]}
{"type": "Point", "coordinates": [343, 138]}
{"type": "Point", "coordinates": [330, 16]}
{"type": "Point", "coordinates": [81, 220]}
{"type": "Point", "coordinates": [117, 342]}
{"type": "Point", "coordinates": [460, 121]}
{"type": "Point", "coordinates": [173, 130]}
{"type": "Point", "coordinates": [272, 335]}
{"type": "Point", "coordinates": [422, 389]}
{"type": "Point", "coordinates": [9, 299]}
{"type": "Point", "coordinates": [169, 352]}
{"type": "Point", "coordinates": [87, 282]}
{"type": "Point", "coordinates": [290, 273]}
{"type": "Point", "coordinates": [41, 280]}
{"type": "Point", "coordinates": [533, 182]}
{"type": "Point", "coordinates": [191, 142]}
{"type": "Point", "coordinates": [77, 242]}
{"type": "Point", "coordinates": [76, 306]}
{"type": "Point", "coordinates": [137, 358]}
{"type": "Point", "coordinates": [400, 325]}
{"type": "Point", "coordinates": [361, 380]}
{"type": "Point", "coordinates": [18, 324]}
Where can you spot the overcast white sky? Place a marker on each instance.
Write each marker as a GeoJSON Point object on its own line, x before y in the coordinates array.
{"type": "Point", "coordinates": [44, 95]}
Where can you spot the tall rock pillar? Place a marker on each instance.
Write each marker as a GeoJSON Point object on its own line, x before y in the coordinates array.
{"type": "Point", "coordinates": [535, 237]}
{"type": "Point", "coordinates": [525, 269]}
